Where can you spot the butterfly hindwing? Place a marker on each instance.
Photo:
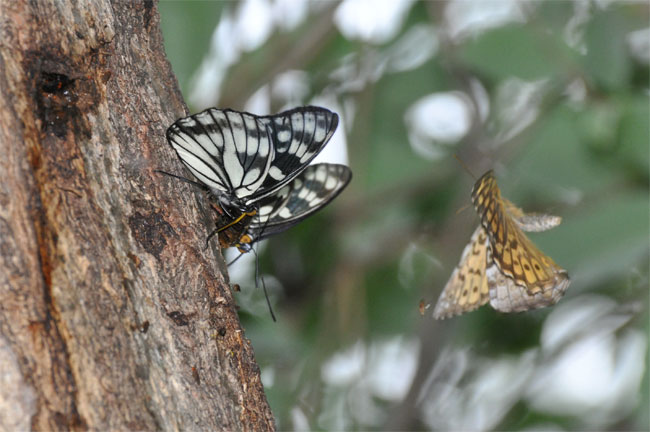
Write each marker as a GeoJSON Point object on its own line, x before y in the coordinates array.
{"type": "Point", "coordinates": [247, 157]}
{"type": "Point", "coordinates": [312, 190]}
{"type": "Point", "coordinates": [309, 192]}
{"type": "Point", "coordinates": [467, 287]}
{"type": "Point", "coordinates": [507, 296]}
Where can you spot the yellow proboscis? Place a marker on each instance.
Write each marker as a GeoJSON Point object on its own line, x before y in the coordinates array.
{"type": "Point", "coordinates": [241, 216]}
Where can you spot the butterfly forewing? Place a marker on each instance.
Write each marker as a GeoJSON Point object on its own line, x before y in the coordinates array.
{"type": "Point", "coordinates": [467, 288]}
{"type": "Point", "coordinates": [195, 143]}
{"type": "Point", "coordinates": [506, 296]}
{"type": "Point", "coordinates": [514, 254]}
{"type": "Point", "coordinates": [312, 190]}
{"type": "Point", "coordinates": [248, 157]}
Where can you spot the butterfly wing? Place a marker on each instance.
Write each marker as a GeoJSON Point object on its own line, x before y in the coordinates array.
{"type": "Point", "coordinates": [531, 222]}
{"type": "Point", "coordinates": [516, 257]}
{"type": "Point", "coordinates": [298, 136]}
{"type": "Point", "coordinates": [507, 296]}
{"type": "Point", "coordinates": [312, 190]}
{"type": "Point", "coordinates": [246, 156]}
{"type": "Point", "coordinates": [467, 288]}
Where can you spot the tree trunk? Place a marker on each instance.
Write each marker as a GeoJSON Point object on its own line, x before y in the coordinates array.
{"type": "Point", "coordinates": [113, 314]}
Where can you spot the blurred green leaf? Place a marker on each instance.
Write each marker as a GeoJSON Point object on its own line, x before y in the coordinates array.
{"type": "Point", "coordinates": [520, 51]}
{"type": "Point", "coordinates": [599, 126]}
{"type": "Point", "coordinates": [389, 157]}
{"type": "Point", "coordinates": [602, 241]}
{"type": "Point", "coordinates": [554, 14]}
{"type": "Point", "coordinates": [557, 165]}
{"type": "Point", "coordinates": [390, 311]}
{"type": "Point", "coordinates": [187, 27]}
{"type": "Point", "coordinates": [607, 60]}
{"type": "Point", "coordinates": [633, 135]}
{"type": "Point", "coordinates": [616, 130]}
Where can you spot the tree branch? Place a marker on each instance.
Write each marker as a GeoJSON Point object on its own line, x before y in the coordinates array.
{"type": "Point", "coordinates": [113, 313]}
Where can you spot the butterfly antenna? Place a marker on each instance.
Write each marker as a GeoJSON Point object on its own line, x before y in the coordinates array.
{"type": "Point", "coordinates": [186, 180]}
{"type": "Point", "coordinates": [257, 278]}
{"type": "Point", "coordinates": [241, 254]}
{"type": "Point", "coordinates": [465, 167]}
{"type": "Point", "coordinates": [268, 301]}
{"type": "Point", "coordinates": [462, 209]}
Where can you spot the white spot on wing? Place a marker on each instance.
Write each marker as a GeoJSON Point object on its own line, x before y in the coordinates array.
{"type": "Point", "coordinates": [311, 196]}
{"type": "Point", "coordinates": [265, 210]}
{"type": "Point", "coordinates": [264, 146]}
{"type": "Point", "coordinates": [284, 135]}
{"type": "Point", "coordinates": [320, 133]}
{"type": "Point", "coordinates": [276, 173]}
{"type": "Point", "coordinates": [331, 183]}
{"type": "Point", "coordinates": [321, 174]}
{"type": "Point", "coordinates": [302, 194]}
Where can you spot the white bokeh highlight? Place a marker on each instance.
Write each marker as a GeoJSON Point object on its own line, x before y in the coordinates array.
{"type": "Point", "coordinates": [466, 19]}
{"type": "Point", "coordinates": [254, 24]}
{"type": "Point", "coordinates": [362, 373]}
{"type": "Point", "coordinates": [418, 45]}
{"type": "Point", "coordinates": [373, 21]}
{"type": "Point", "coordinates": [288, 14]}
{"type": "Point", "coordinates": [243, 28]}
{"type": "Point", "coordinates": [589, 367]}
{"type": "Point", "coordinates": [437, 121]}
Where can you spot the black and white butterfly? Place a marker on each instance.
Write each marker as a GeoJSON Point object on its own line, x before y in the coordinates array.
{"type": "Point", "coordinates": [256, 168]}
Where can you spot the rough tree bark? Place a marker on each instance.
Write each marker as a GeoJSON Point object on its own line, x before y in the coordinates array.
{"type": "Point", "coordinates": [113, 314]}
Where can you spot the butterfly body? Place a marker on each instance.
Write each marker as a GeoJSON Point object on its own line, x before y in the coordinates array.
{"type": "Point", "coordinates": [500, 264]}
{"type": "Point", "coordinates": [231, 229]}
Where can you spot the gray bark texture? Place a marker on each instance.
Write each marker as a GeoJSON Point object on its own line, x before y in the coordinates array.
{"type": "Point", "coordinates": [113, 313]}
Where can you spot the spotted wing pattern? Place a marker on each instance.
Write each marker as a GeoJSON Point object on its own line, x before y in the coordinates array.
{"type": "Point", "coordinates": [507, 296]}
{"type": "Point", "coordinates": [248, 157]}
{"type": "Point", "coordinates": [467, 288]}
{"type": "Point", "coordinates": [514, 254]}
{"type": "Point", "coordinates": [312, 190]}
{"type": "Point", "coordinates": [518, 278]}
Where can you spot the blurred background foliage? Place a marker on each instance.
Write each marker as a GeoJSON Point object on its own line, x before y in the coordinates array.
{"type": "Point", "coordinates": [552, 95]}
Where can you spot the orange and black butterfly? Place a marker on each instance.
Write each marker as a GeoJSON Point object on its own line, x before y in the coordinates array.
{"type": "Point", "coordinates": [500, 264]}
